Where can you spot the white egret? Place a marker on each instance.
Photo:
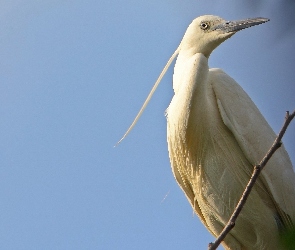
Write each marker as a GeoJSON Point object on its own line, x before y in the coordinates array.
{"type": "Point", "coordinates": [216, 135]}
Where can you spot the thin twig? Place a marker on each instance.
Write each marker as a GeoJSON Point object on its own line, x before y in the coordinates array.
{"type": "Point", "coordinates": [257, 169]}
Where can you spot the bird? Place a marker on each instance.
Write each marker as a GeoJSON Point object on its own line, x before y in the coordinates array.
{"type": "Point", "coordinates": [216, 135]}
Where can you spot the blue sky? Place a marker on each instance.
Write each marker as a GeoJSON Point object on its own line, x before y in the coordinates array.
{"type": "Point", "coordinates": [73, 75]}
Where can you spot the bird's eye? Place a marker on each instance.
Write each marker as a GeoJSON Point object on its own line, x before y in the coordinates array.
{"type": "Point", "coordinates": [204, 26]}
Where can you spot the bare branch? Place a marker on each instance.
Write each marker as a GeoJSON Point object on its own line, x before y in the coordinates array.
{"type": "Point", "coordinates": [257, 169]}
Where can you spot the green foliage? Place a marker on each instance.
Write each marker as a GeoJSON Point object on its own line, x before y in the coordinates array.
{"type": "Point", "coordinates": [288, 239]}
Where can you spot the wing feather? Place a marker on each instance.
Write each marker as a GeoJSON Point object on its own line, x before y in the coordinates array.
{"type": "Point", "coordinates": [255, 137]}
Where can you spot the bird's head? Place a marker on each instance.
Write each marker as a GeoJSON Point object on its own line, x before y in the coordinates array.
{"type": "Point", "coordinates": [205, 33]}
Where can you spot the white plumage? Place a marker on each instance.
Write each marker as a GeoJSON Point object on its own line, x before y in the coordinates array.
{"type": "Point", "coordinates": [216, 135]}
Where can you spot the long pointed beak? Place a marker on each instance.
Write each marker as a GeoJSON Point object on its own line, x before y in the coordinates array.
{"type": "Point", "coordinates": [235, 26]}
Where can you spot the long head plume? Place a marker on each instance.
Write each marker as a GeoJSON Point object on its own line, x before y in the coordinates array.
{"type": "Point", "coordinates": [150, 94]}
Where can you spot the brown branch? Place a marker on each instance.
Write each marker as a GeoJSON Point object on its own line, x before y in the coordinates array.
{"type": "Point", "coordinates": [257, 169]}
